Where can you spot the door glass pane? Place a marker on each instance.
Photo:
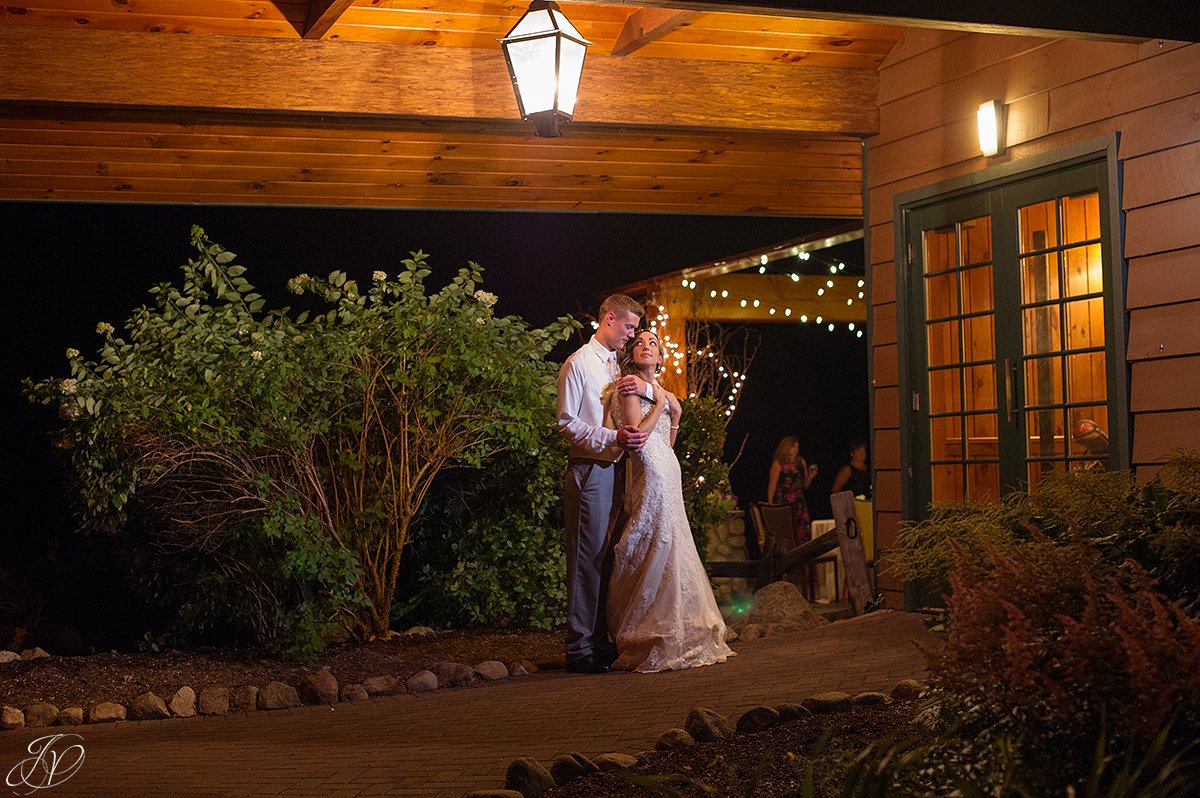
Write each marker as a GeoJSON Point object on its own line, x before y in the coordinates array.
{"type": "Point", "coordinates": [976, 240]}
{"type": "Point", "coordinates": [1085, 323]}
{"type": "Point", "coordinates": [1042, 330]}
{"type": "Point", "coordinates": [983, 482]}
{"type": "Point", "coordinates": [1045, 433]}
{"type": "Point", "coordinates": [943, 343]}
{"type": "Point", "coordinates": [947, 484]}
{"type": "Point", "coordinates": [1063, 311]}
{"type": "Point", "coordinates": [1043, 381]}
{"type": "Point", "coordinates": [980, 391]}
{"type": "Point", "coordinates": [982, 443]}
{"type": "Point", "coordinates": [979, 338]}
{"type": "Point", "coordinates": [941, 295]}
{"type": "Point", "coordinates": [940, 252]}
{"type": "Point", "coordinates": [945, 436]}
{"type": "Point", "coordinates": [945, 391]}
{"type": "Point", "coordinates": [1081, 217]}
{"type": "Point", "coordinates": [1039, 279]}
{"type": "Point", "coordinates": [1083, 268]}
{"type": "Point", "coordinates": [977, 289]}
{"type": "Point", "coordinates": [1039, 226]}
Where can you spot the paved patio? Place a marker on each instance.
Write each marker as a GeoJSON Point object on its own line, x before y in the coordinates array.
{"type": "Point", "coordinates": [447, 743]}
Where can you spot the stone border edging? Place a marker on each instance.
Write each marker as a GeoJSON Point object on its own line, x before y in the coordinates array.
{"type": "Point", "coordinates": [528, 778]}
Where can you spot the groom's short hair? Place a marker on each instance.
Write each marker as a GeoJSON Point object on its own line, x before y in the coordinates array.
{"type": "Point", "coordinates": [621, 303]}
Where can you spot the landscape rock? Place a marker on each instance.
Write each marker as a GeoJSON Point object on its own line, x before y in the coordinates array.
{"type": "Point", "coordinates": [615, 761]}
{"type": "Point", "coordinates": [453, 674]}
{"type": "Point", "coordinates": [183, 703]}
{"type": "Point", "coordinates": [34, 653]}
{"type": "Point", "coordinates": [778, 603]}
{"type": "Point", "coordinates": [517, 669]}
{"type": "Point", "coordinates": [870, 699]}
{"type": "Point", "coordinates": [106, 712]}
{"type": "Point", "coordinates": [215, 701]}
{"type": "Point", "coordinates": [421, 682]}
{"type": "Point", "coordinates": [11, 718]}
{"type": "Point", "coordinates": [674, 739]}
{"type": "Point", "coordinates": [148, 706]}
{"type": "Point", "coordinates": [751, 631]}
{"type": "Point", "coordinates": [529, 665]}
{"type": "Point", "coordinates": [318, 687]}
{"type": "Point", "coordinates": [41, 714]}
{"type": "Point", "coordinates": [569, 767]}
{"type": "Point", "coordinates": [382, 685]}
{"type": "Point", "coordinates": [906, 690]}
{"type": "Point", "coordinates": [243, 699]}
{"type": "Point", "coordinates": [71, 716]}
{"type": "Point", "coordinates": [731, 634]}
{"type": "Point", "coordinates": [528, 777]}
{"type": "Point", "coordinates": [824, 703]}
{"type": "Point", "coordinates": [8, 656]}
{"type": "Point", "coordinates": [791, 712]}
{"type": "Point", "coordinates": [491, 670]}
{"type": "Point", "coordinates": [354, 692]}
{"type": "Point", "coordinates": [757, 719]}
{"type": "Point", "coordinates": [417, 631]}
{"type": "Point", "coordinates": [278, 695]}
{"type": "Point", "coordinates": [705, 725]}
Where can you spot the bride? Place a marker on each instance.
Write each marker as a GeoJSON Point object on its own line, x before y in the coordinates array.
{"type": "Point", "coordinates": [660, 604]}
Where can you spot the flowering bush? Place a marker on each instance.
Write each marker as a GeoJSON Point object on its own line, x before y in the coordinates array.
{"type": "Point", "coordinates": [273, 465]}
{"type": "Point", "coordinates": [700, 446]}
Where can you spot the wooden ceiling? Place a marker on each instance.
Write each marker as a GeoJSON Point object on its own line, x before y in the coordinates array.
{"type": "Point", "coordinates": [399, 103]}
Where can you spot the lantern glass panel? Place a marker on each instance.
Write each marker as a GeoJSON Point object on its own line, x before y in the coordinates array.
{"type": "Point", "coordinates": [570, 71]}
{"type": "Point", "coordinates": [533, 65]}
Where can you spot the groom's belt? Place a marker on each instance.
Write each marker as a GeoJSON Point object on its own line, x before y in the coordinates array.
{"type": "Point", "coordinates": [590, 461]}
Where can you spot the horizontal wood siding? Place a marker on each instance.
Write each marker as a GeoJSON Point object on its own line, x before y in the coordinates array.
{"type": "Point", "coordinates": [1056, 92]}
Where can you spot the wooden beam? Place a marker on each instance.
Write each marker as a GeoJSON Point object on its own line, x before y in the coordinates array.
{"type": "Point", "coordinates": [774, 298]}
{"type": "Point", "coordinates": [1102, 20]}
{"type": "Point", "coordinates": [99, 69]}
{"type": "Point", "coordinates": [648, 24]}
{"type": "Point", "coordinates": [323, 15]}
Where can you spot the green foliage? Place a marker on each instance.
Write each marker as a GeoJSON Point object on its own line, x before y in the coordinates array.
{"type": "Point", "coordinates": [1158, 526]}
{"type": "Point", "coordinates": [700, 447]}
{"type": "Point", "coordinates": [264, 469]}
{"type": "Point", "coordinates": [491, 543]}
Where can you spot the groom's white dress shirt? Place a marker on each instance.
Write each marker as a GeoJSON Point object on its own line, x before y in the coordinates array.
{"type": "Point", "coordinates": [581, 413]}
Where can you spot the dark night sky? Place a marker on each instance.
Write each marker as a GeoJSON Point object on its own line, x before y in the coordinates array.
{"type": "Point", "coordinates": [71, 265]}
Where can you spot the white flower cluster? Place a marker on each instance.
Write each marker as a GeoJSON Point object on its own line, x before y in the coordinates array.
{"type": "Point", "coordinates": [298, 283]}
{"type": "Point", "coordinates": [485, 298]}
{"type": "Point", "coordinates": [378, 276]}
{"type": "Point", "coordinates": [68, 386]}
{"type": "Point", "coordinates": [256, 355]}
{"type": "Point", "coordinates": [104, 328]}
{"type": "Point", "coordinates": [72, 353]}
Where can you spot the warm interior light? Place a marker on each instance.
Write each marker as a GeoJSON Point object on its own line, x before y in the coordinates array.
{"type": "Point", "coordinates": [989, 119]}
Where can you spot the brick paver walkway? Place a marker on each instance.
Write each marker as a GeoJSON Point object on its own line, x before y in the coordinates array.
{"type": "Point", "coordinates": [447, 743]}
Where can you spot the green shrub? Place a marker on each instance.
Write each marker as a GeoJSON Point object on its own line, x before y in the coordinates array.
{"type": "Point", "coordinates": [491, 543]}
{"type": "Point", "coordinates": [700, 447]}
{"type": "Point", "coordinates": [267, 468]}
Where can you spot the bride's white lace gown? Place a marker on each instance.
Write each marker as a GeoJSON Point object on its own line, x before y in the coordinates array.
{"type": "Point", "coordinates": [661, 608]}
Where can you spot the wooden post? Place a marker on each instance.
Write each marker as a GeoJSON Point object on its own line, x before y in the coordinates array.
{"type": "Point", "coordinates": [854, 558]}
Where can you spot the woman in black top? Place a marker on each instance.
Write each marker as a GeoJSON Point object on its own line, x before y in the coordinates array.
{"type": "Point", "coordinates": [855, 476]}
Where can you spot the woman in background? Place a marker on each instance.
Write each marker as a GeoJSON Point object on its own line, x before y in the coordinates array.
{"type": "Point", "coordinates": [790, 477]}
{"type": "Point", "coordinates": [855, 476]}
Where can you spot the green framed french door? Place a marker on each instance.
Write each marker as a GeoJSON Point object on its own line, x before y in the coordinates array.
{"type": "Point", "coordinates": [1012, 332]}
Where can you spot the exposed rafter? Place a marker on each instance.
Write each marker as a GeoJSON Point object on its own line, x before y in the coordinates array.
{"type": "Point", "coordinates": [322, 15]}
{"type": "Point", "coordinates": [647, 24]}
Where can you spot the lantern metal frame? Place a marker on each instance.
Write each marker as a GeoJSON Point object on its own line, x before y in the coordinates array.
{"type": "Point", "coordinates": [547, 123]}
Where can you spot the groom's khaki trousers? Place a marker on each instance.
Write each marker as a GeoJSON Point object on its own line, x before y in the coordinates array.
{"type": "Point", "coordinates": [593, 495]}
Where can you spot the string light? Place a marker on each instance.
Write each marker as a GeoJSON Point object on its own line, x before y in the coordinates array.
{"type": "Point", "coordinates": [861, 283]}
{"type": "Point", "coordinates": [820, 292]}
{"type": "Point", "coordinates": [787, 311]}
{"type": "Point", "coordinates": [724, 294]}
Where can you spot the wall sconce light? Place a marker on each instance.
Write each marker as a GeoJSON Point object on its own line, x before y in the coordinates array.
{"type": "Point", "coordinates": [544, 53]}
{"type": "Point", "coordinates": [991, 127]}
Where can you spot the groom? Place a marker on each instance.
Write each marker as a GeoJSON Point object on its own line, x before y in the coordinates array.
{"type": "Point", "coordinates": [593, 489]}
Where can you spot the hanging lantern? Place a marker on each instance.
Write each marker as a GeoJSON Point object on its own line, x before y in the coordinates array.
{"type": "Point", "coordinates": [544, 54]}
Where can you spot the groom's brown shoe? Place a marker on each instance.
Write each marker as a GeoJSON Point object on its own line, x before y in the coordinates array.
{"type": "Point", "coordinates": [589, 664]}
